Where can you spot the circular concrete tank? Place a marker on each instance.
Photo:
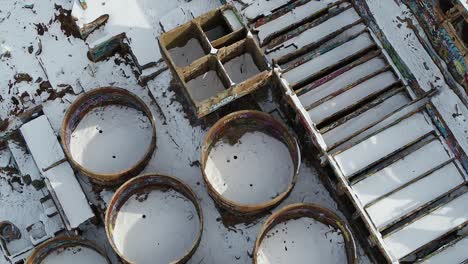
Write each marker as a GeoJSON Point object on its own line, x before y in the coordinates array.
{"type": "Point", "coordinates": [154, 218]}
{"type": "Point", "coordinates": [304, 233]}
{"type": "Point", "coordinates": [250, 161]}
{"type": "Point", "coordinates": [109, 134]}
{"type": "Point", "coordinates": [70, 250]}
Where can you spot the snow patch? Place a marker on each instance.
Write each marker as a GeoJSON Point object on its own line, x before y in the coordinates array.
{"type": "Point", "coordinates": [111, 139]}
{"type": "Point", "coordinates": [256, 169]}
{"type": "Point", "coordinates": [162, 226]}
{"type": "Point", "coordinates": [302, 240]}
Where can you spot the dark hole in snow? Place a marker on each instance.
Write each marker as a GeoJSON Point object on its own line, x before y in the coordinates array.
{"type": "Point", "coordinates": [445, 5]}
{"type": "Point", "coordinates": [464, 32]}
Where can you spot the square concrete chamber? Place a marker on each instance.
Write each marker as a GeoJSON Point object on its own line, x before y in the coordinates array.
{"type": "Point", "coordinates": [215, 59]}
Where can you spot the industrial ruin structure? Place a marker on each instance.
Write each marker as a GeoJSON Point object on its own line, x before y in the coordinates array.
{"type": "Point", "coordinates": [244, 131]}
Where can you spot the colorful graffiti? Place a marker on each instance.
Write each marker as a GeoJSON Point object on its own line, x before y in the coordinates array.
{"type": "Point", "coordinates": [440, 38]}
{"type": "Point", "coordinates": [363, 9]}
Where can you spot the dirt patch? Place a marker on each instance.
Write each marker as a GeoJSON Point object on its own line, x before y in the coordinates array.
{"type": "Point", "coordinates": [4, 125]}
{"type": "Point", "coordinates": [38, 184]}
{"type": "Point", "coordinates": [46, 87]}
{"type": "Point", "coordinates": [22, 77]}
{"type": "Point", "coordinates": [68, 25]}
{"type": "Point", "coordinates": [41, 28]}
{"type": "Point", "coordinates": [25, 97]}
{"type": "Point", "coordinates": [16, 137]}
{"type": "Point", "coordinates": [6, 54]}
{"type": "Point", "coordinates": [230, 220]}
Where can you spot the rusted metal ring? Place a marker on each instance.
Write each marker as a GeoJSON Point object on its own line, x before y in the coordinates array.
{"type": "Point", "coordinates": [318, 213]}
{"type": "Point", "coordinates": [143, 183]}
{"type": "Point", "coordinates": [97, 98]}
{"type": "Point", "coordinates": [63, 242]}
{"type": "Point", "coordinates": [253, 120]}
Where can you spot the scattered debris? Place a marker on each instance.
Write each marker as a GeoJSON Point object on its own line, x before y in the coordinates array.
{"type": "Point", "coordinates": [108, 48]}
{"type": "Point", "coordinates": [89, 28]}
{"type": "Point", "coordinates": [29, 6]}
{"type": "Point", "coordinates": [22, 77]}
{"type": "Point", "coordinates": [9, 232]}
{"type": "Point", "coordinates": [83, 4]}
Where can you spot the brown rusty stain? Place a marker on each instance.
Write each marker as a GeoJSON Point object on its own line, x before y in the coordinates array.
{"type": "Point", "coordinates": [101, 97]}
{"type": "Point", "coordinates": [236, 124]}
{"type": "Point", "coordinates": [141, 186]}
{"type": "Point", "coordinates": [59, 244]}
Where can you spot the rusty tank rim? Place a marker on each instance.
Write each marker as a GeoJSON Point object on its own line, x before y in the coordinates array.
{"type": "Point", "coordinates": [316, 212]}
{"type": "Point", "coordinates": [142, 182]}
{"type": "Point", "coordinates": [262, 122]}
{"type": "Point", "coordinates": [101, 97]}
{"type": "Point", "coordinates": [42, 251]}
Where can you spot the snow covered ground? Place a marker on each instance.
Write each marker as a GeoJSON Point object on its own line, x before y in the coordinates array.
{"type": "Point", "coordinates": [60, 71]}
{"type": "Point", "coordinates": [41, 64]}
{"type": "Point", "coordinates": [148, 19]}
